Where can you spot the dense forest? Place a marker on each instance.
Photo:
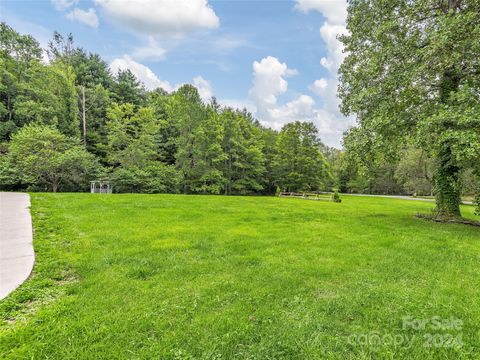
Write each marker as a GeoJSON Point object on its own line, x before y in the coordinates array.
{"type": "Point", "coordinates": [67, 120]}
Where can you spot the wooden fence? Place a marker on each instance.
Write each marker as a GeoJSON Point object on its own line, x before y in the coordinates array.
{"type": "Point", "coordinates": [307, 195]}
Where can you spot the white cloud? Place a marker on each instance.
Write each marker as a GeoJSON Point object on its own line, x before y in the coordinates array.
{"type": "Point", "coordinates": [268, 82]}
{"type": "Point", "coordinates": [335, 54]}
{"type": "Point", "coordinates": [330, 122]}
{"type": "Point", "coordinates": [63, 4]}
{"type": "Point", "coordinates": [161, 17]}
{"type": "Point", "coordinates": [152, 51]}
{"type": "Point", "coordinates": [331, 127]}
{"type": "Point", "coordinates": [335, 11]}
{"type": "Point", "coordinates": [301, 109]}
{"type": "Point", "coordinates": [142, 72]}
{"type": "Point", "coordinates": [88, 17]}
{"type": "Point", "coordinates": [152, 81]}
{"type": "Point", "coordinates": [204, 88]}
{"type": "Point", "coordinates": [319, 86]}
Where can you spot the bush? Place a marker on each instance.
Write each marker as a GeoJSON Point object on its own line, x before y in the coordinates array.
{"type": "Point", "coordinates": [336, 197]}
{"type": "Point", "coordinates": [9, 179]}
{"type": "Point", "coordinates": [154, 178]}
{"type": "Point", "coordinates": [278, 191]}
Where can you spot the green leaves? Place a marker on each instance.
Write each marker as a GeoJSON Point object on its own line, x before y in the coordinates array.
{"type": "Point", "coordinates": [154, 177]}
{"type": "Point", "coordinates": [131, 135]}
{"type": "Point", "coordinates": [412, 72]}
{"type": "Point", "coordinates": [152, 141]}
{"type": "Point", "coordinates": [299, 164]}
{"type": "Point", "coordinates": [43, 157]}
{"type": "Point", "coordinates": [33, 91]}
{"type": "Point", "coordinates": [128, 89]}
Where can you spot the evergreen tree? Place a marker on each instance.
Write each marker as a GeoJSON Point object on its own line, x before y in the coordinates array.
{"type": "Point", "coordinates": [299, 164]}
{"type": "Point", "coordinates": [269, 139]}
{"type": "Point", "coordinates": [160, 101]}
{"type": "Point", "coordinates": [90, 70]}
{"type": "Point", "coordinates": [244, 161]}
{"type": "Point", "coordinates": [210, 154]}
{"type": "Point", "coordinates": [127, 89]}
{"type": "Point", "coordinates": [188, 112]}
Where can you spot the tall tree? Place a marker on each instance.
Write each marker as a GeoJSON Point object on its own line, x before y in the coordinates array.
{"type": "Point", "coordinates": [251, 163]}
{"type": "Point", "coordinates": [368, 169]}
{"type": "Point", "coordinates": [32, 91]}
{"type": "Point", "coordinates": [17, 54]}
{"type": "Point", "coordinates": [94, 103]}
{"type": "Point", "coordinates": [93, 80]}
{"type": "Point", "coordinates": [90, 69]}
{"type": "Point", "coordinates": [299, 164]}
{"type": "Point", "coordinates": [128, 89]}
{"type": "Point", "coordinates": [269, 138]}
{"type": "Point", "coordinates": [412, 71]}
{"type": "Point", "coordinates": [133, 151]}
{"type": "Point", "coordinates": [188, 112]}
{"type": "Point", "coordinates": [61, 48]}
{"type": "Point", "coordinates": [210, 154]}
{"type": "Point", "coordinates": [160, 101]}
{"type": "Point", "coordinates": [244, 163]}
{"type": "Point", "coordinates": [131, 135]}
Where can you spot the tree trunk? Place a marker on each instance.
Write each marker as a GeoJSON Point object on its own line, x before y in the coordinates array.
{"type": "Point", "coordinates": [447, 179]}
{"type": "Point", "coordinates": [227, 173]}
{"type": "Point", "coordinates": [230, 172]}
{"type": "Point", "coordinates": [185, 190]}
{"type": "Point", "coordinates": [447, 184]}
{"type": "Point", "coordinates": [84, 118]}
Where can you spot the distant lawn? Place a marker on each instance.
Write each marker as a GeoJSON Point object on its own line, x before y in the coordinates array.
{"type": "Point", "coordinates": [180, 277]}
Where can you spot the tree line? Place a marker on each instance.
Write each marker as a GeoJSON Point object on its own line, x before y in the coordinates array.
{"type": "Point", "coordinates": [69, 120]}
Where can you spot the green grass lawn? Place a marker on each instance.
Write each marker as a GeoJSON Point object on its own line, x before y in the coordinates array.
{"type": "Point", "coordinates": [180, 277]}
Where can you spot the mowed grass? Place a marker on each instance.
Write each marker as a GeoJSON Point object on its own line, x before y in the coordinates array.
{"type": "Point", "coordinates": [212, 277]}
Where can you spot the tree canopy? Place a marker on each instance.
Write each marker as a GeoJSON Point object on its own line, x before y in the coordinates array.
{"type": "Point", "coordinates": [412, 75]}
{"type": "Point", "coordinates": [143, 141]}
{"type": "Point", "coordinates": [45, 159]}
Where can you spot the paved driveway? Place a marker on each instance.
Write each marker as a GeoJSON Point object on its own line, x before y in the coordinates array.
{"type": "Point", "coordinates": [16, 236]}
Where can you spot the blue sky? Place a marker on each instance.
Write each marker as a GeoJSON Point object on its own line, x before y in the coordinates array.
{"type": "Point", "coordinates": [277, 58]}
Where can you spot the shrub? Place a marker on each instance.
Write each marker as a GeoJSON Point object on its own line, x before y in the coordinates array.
{"type": "Point", "coordinates": [336, 197]}
{"type": "Point", "coordinates": [156, 177]}
{"type": "Point", "coordinates": [278, 191]}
